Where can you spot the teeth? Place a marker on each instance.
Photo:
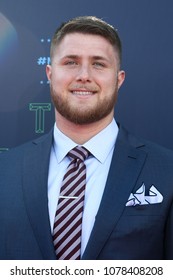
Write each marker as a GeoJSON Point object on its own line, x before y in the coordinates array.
{"type": "Point", "coordinates": [82, 92]}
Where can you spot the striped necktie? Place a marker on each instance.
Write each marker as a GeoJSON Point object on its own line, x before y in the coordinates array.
{"type": "Point", "coordinates": [68, 217]}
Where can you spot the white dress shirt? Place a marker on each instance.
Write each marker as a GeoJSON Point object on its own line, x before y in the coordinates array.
{"type": "Point", "coordinates": [101, 147]}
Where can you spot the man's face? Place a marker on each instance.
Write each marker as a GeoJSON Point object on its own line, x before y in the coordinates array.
{"type": "Point", "coordinates": [84, 78]}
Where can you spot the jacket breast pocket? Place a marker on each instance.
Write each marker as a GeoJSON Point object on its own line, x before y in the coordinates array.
{"type": "Point", "coordinates": [144, 210]}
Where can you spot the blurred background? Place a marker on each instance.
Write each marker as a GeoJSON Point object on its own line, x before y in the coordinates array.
{"type": "Point", "coordinates": [145, 100]}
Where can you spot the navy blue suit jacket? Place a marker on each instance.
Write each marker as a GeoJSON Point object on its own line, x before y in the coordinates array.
{"type": "Point", "coordinates": [119, 232]}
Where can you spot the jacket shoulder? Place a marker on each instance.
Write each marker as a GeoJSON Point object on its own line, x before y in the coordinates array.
{"type": "Point", "coordinates": [147, 146]}
{"type": "Point", "coordinates": [17, 152]}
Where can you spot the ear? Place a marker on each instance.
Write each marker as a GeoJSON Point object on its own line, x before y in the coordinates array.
{"type": "Point", "coordinates": [49, 72]}
{"type": "Point", "coordinates": [121, 78]}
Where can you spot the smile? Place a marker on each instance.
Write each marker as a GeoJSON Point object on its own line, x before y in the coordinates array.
{"type": "Point", "coordinates": [82, 93]}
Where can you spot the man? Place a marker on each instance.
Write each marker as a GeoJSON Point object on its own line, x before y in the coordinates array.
{"type": "Point", "coordinates": [127, 183]}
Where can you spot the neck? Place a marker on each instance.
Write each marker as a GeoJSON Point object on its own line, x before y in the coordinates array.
{"type": "Point", "coordinates": [80, 134]}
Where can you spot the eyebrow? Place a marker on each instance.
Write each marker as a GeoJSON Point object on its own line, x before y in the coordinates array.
{"type": "Point", "coordinates": [95, 57]}
{"type": "Point", "coordinates": [98, 57]}
{"type": "Point", "coordinates": [70, 56]}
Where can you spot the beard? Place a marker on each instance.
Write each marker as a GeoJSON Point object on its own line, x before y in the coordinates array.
{"type": "Point", "coordinates": [83, 115]}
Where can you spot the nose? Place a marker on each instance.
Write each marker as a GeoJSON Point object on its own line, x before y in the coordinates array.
{"type": "Point", "coordinates": [84, 74]}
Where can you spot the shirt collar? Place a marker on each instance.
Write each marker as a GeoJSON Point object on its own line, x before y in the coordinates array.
{"type": "Point", "coordinates": [96, 145]}
{"type": "Point", "coordinates": [62, 144]}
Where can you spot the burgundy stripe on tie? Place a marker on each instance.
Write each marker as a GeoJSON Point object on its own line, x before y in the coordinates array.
{"type": "Point", "coordinates": [68, 217]}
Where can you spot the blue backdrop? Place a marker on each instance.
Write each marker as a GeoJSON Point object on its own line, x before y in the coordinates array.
{"type": "Point", "coordinates": [145, 100]}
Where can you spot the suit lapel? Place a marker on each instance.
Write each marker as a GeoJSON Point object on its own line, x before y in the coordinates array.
{"type": "Point", "coordinates": [35, 174]}
{"type": "Point", "coordinates": [126, 165]}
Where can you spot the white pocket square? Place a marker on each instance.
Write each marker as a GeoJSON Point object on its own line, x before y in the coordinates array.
{"type": "Point", "coordinates": [139, 197]}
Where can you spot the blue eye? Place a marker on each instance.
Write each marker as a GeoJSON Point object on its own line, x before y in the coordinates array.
{"type": "Point", "coordinates": [98, 64]}
{"type": "Point", "coordinates": [71, 62]}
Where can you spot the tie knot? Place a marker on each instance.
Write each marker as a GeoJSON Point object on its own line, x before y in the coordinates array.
{"type": "Point", "coordinates": [79, 152]}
